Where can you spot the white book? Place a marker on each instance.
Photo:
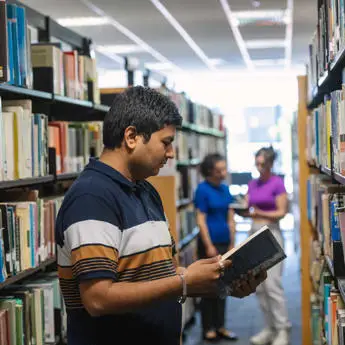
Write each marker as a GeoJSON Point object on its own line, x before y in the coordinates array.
{"type": "Point", "coordinates": [8, 123]}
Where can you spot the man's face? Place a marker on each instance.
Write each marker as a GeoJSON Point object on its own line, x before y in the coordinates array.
{"type": "Point", "coordinates": [148, 157]}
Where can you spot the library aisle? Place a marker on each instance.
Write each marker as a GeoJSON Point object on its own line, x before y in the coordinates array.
{"type": "Point", "coordinates": [244, 316]}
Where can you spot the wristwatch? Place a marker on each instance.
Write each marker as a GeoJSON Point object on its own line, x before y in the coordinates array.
{"type": "Point", "coordinates": [181, 299]}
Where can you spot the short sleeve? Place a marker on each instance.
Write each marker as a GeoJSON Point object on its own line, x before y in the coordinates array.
{"type": "Point", "coordinates": [92, 237]}
{"type": "Point", "coordinates": [201, 199]}
{"type": "Point", "coordinates": [173, 244]}
{"type": "Point", "coordinates": [230, 198]}
{"type": "Point", "coordinates": [279, 188]}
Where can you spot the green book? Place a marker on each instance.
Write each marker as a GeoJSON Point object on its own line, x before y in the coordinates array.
{"type": "Point", "coordinates": [19, 321]}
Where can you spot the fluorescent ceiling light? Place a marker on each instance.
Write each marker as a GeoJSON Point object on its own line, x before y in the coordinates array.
{"type": "Point", "coordinates": [269, 62]}
{"type": "Point", "coordinates": [288, 34]}
{"type": "Point", "coordinates": [262, 44]}
{"type": "Point", "coordinates": [158, 66]}
{"type": "Point", "coordinates": [217, 62]}
{"type": "Point", "coordinates": [125, 31]}
{"type": "Point", "coordinates": [121, 48]}
{"type": "Point", "coordinates": [260, 17]}
{"type": "Point", "coordinates": [83, 21]}
{"type": "Point", "coordinates": [183, 33]}
{"type": "Point", "coordinates": [236, 32]}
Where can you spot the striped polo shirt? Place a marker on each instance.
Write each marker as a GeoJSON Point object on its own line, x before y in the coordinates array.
{"type": "Point", "coordinates": [111, 228]}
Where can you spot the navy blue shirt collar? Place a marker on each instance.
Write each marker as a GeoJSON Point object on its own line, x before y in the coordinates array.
{"type": "Point", "coordinates": [97, 165]}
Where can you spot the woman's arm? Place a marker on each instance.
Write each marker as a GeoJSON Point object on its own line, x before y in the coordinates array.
{"type": "Point", "coordinates": [232, 227]}
{"type": "Point", "coordinates": [279, 213]}
{"type": "Point", "coordinates": [205, 236]}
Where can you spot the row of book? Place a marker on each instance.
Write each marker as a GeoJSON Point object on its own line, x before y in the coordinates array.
{"type": "Point", "coordinates": [186, 221]}
{"type": "Point", "coordinates": [23, 141]}
{"type": "Point", "coordinates": [42, 66]}
{"type": "Point", "coordinates": [33, 312]}
{"type": "Point", "coordinates": [75, 143]}
{"type": "Point", "coordinates": [187, 180]}
{"type": "Point", "coordinates": [27, 236]}
{"type": "Point", "coordinates": [326, 302]}
{"type": "Point", "coordinates": [194, 145]}
{"type": "Point", "coordinates": [324, 200]}
{"type": "Point", "coordinates": [25, 138]}
{"type": "Point", "coordinates": [195, 113]}
{"type": "Point", "coordinates": [327, 40]}
{"type": "Point", "coordinates": [326, 133]}
{"type": "Point", "coordinates": [327, 308]}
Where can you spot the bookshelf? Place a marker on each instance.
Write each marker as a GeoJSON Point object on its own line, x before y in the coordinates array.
{"type": "Point", "coordinates": [305, 226]}
{"type": "Point", "coordinates": [59, 110]}
{"type": "Point", "coordinates": [28, 273]}
{"type": "Point", "coordinates": [322, 179]}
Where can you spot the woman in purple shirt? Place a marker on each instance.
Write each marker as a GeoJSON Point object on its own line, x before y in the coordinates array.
{"type": "Point", "coordinates": [267, 201]}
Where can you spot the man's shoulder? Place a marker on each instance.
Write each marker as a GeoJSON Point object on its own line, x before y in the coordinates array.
{"type": "Point", "coordinates": [152, 191]}
{"type": "Point", "coordinates": [92, 184]}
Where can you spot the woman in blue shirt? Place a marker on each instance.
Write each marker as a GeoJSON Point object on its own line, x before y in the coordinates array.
{"type": "Point", "coordinates": [217, 235]}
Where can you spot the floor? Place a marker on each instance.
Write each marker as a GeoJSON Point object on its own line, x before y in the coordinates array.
{"type": "Point", "coordinates": [244, 317]}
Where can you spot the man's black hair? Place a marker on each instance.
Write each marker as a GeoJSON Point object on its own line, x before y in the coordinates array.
{"type": "Point", "coordinates": [144, 108]}
{"type": "Point", "coordinates": [209, 162]}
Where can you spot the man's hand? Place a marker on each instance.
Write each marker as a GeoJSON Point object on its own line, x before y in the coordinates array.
{"type": "Point", "coordinates": [246, 286]}
{"type": "Point", "coordinates": [202, 276]}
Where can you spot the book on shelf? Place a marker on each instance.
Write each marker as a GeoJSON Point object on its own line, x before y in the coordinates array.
{"type": "Point", "coordinates": [260, 251]}
{"type": "Point", "coordinates": [75, 143]}
{"type": "Point", "coordinates": [327, 41]}
{"type": "Point", "coordinates": [33, 312]}
{"type": "Point", "coordinates": [25, 139]}
{"type": "Point", "coordinates": [43, 66]}
{"type": "Point", "coordinates": [27, 236]}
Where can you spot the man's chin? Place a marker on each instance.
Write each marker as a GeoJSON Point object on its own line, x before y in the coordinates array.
{"type": "Point", "coordinates": [155, 171]}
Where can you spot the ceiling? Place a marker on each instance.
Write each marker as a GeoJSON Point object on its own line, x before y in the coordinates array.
{"type": "Point", "coordinates": [194, 35]}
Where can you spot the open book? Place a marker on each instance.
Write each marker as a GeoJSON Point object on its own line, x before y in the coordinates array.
{"type": "Point", "coordinates": [260, 251]}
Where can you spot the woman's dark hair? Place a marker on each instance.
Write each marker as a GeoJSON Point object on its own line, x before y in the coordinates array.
{"type": "Point", "coordinates": [268, 153]}
{"type": "Point", "coordinates": [146, 109]}
{"type": "Point", "coordinates": [207, 165]}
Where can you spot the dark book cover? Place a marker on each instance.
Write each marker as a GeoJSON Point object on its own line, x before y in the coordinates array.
{"type": "Point", "coordinates": [4, 76]}
{"type": "Point", "coordinates": [260, 251]}
{"type": "Point", "coordinates": [7, 240]}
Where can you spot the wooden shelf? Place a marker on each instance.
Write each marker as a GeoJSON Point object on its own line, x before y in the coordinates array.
{"type": "Point", "coordinates": [330, 80]}
{"type": "Point", "coordinates": [188, 239]}
{"type": "Point", "coordinates": [24, 92]}
{"type": "Point", "coordinates": [67, 176]}
{"type": "Point", "coordinates": [61, 107]}
{"type": "Point", "coordinates": [68, 100]}
{"type": "Point", "coordinates": [338, 60]}
{"type": "Point", "coordinates": [27, 182]}
{"type": "Point", "coordinates": [101, 107]}
{"type": "Point", "coordinates": [339, 178]}
{"type": "Point", "coordinates": [27, 273]}
{"type": "Point", "coordinates": [326, 171]}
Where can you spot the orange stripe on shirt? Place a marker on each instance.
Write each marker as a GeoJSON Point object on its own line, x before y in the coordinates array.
{"type": "Point", "coordinates": [146, 258]}
{"type": "Point", "coordinates": [93, 251]}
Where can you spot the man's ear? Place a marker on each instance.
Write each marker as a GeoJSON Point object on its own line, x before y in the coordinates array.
{"type": "Point", "coordinates": [130, 137]}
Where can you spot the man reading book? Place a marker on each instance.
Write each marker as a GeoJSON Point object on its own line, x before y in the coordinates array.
{"type": "Point", "coordinates": [116, 262]}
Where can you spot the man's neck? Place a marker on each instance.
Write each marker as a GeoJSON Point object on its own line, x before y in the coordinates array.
{"type": "Point", "coordinates": [118, 161]}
